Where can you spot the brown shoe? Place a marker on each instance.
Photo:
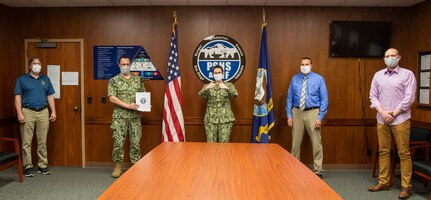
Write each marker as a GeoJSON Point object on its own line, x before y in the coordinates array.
{"type": "Point", "coordinates": [379, 187]}
{"type": "Point", "coordinates": [405, 193]}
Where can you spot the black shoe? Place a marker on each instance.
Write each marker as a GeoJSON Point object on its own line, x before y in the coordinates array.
{"type": "Point", "coordinates": [320, 175]}
{"type": "Point", "coordinates": [43, 171]}
{"type": "Point", "coordinates": [28, 172]}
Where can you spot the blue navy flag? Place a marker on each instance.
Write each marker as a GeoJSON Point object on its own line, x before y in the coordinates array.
{"type": "Point", "coordinates": [263, 113]}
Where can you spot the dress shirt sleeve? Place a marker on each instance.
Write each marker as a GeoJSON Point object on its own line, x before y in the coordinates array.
{"type": "Point", "coordinates": [289, 100]}
{"type": "Point", "coordinates": [374, 93]}
{"type": "Point", "coordinates": [409, 92]}
{"type": "Point", "coordinates": [324, 102]}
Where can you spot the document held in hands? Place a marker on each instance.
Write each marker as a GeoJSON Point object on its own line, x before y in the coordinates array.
{"type": "Point", "coordinates": [143, 99]}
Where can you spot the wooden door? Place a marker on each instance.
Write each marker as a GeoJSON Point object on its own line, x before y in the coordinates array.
{"type": "Point", "coordinates": [64, 137]}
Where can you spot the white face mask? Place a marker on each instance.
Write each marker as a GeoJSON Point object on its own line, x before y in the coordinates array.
{"type": "Point", "coordinates": [36, 68]}
{"type": "Point", "coordinates": [125, 69]}
{"type": "Point", "coordinates": [218, 77]}
{"type": "Point", "coordinates": [305, 69]}
{"type": "Point", "coordinates": [391, 61]}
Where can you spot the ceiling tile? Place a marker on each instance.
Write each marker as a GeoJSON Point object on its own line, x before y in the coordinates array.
{"type": "Point", "coordinates": [91, 2]}
{"type": "Point", "coordinates": [400, 3]}
{"type": "Point", "coordinates": [207, 2]}
{"type": "Point", "coordinates": [130, 2]}
{"type": "Point", "coordinates": [54, 3]}
{"type": "Point", "coordinates": [19, 3]}
{"type": "Point", "coordinates": [72, 3]}
{"type": "Point", "coordinates": [168, 2]}
{"type": "Point", "coordinates": [246, 2]}
{"type": "Point", "coordinates": [367, 3]}
{"type": "Point", "coordinates": [284, 2]}
{"type": "Point", "coordinates": [323, 2]}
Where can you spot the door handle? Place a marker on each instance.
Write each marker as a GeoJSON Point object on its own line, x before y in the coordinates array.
{"type": "Point", "coordinates": [76, 108]}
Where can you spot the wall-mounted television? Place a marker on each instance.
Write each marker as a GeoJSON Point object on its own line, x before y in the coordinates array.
{"type": "Point", "coordinates": [359, 38]}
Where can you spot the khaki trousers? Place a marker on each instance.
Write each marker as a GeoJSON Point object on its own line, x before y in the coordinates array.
{"type": "Point", "coordinates": [40, 122]}
{"type": "Point", "coordinates": [306, 119]}
{"type": "Point", "coordinates": [401, 134]}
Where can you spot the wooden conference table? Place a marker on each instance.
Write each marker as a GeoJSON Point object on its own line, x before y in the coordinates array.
{"type": "Point", "coordinates": [210, 171]}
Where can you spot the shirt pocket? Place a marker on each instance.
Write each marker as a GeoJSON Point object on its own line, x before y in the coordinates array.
{"type": "Point", "coordinates": [314, 89]}
{"type": "Point", "coordinates": [297, 87]}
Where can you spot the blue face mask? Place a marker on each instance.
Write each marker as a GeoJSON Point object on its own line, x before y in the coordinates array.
{"type": "Point", "coordinates": [391, 61]}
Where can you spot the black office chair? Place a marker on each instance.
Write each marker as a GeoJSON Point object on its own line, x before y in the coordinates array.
{"type": "Point", "coordinates": [11, 158]}
{"type": "Point", "coordinates": [422, 167]}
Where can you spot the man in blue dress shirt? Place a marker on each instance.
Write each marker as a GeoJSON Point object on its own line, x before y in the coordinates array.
{"type": "Point", "coordinates": [307, 104]}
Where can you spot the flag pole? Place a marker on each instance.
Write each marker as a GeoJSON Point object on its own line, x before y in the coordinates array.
{"type": "Point", "coordinates": [263, 17]}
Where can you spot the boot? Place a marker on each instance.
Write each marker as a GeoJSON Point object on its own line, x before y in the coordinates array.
{"type": "Point", "coordinates": [117, 170]}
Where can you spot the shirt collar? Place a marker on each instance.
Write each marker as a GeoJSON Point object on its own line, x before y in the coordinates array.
{"type": "Point", "coordinates": [40, 75]}
{"type": "Point", "coordinates": [396, 70]}
{"type": "Point", "coordinates": [309, 74]}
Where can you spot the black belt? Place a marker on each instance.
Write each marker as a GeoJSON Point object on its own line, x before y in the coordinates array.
{"type": "Point", "coordinates": [310, 108]}
{"type": "Point", "coordinates": [35, 109]}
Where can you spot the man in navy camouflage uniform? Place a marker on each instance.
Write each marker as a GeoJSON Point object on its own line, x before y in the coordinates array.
{"type": "Point", "coordinates": [125, 118]}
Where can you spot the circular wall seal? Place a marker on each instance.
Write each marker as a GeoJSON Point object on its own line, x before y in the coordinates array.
{"type": "Point", "coordinates": [219, 50]}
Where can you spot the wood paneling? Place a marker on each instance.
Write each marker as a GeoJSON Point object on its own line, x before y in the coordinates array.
{"type": "Point", "coordinates": [293, 32]}
{"type": "Point", "coordinates": [8, 121]}
{"type": "Point", "coordinates": [7, 72]}
{"type": "Point", "coordinates": [9, 131]}
{"type": "Point", "coordinates": [418, 34]}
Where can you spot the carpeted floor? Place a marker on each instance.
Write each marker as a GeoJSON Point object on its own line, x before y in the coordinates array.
{"type": "Point", "coordinates": [77, 183]}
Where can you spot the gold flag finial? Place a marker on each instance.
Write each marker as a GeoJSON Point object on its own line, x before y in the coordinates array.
{"type": "Point", "coordinates": [263, 17]}
{"type": "Point", "coordinates": [174, 15]}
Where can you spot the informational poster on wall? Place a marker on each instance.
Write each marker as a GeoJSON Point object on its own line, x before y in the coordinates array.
{"type": "Point", "coordinates": [53, 73]}
{"type": "Point", "coordinates": [106, 62]}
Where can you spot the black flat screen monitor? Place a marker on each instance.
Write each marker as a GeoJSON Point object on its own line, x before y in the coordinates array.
{"type": "Point", "coordinates": [359, 38]}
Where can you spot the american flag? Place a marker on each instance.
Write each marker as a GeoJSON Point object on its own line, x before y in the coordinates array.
{"type": "Point", "coordinates": [173, 120]}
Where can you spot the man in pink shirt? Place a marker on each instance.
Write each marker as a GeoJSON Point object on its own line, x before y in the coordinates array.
{"type": "Point", "coordinates": [392, 93]}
